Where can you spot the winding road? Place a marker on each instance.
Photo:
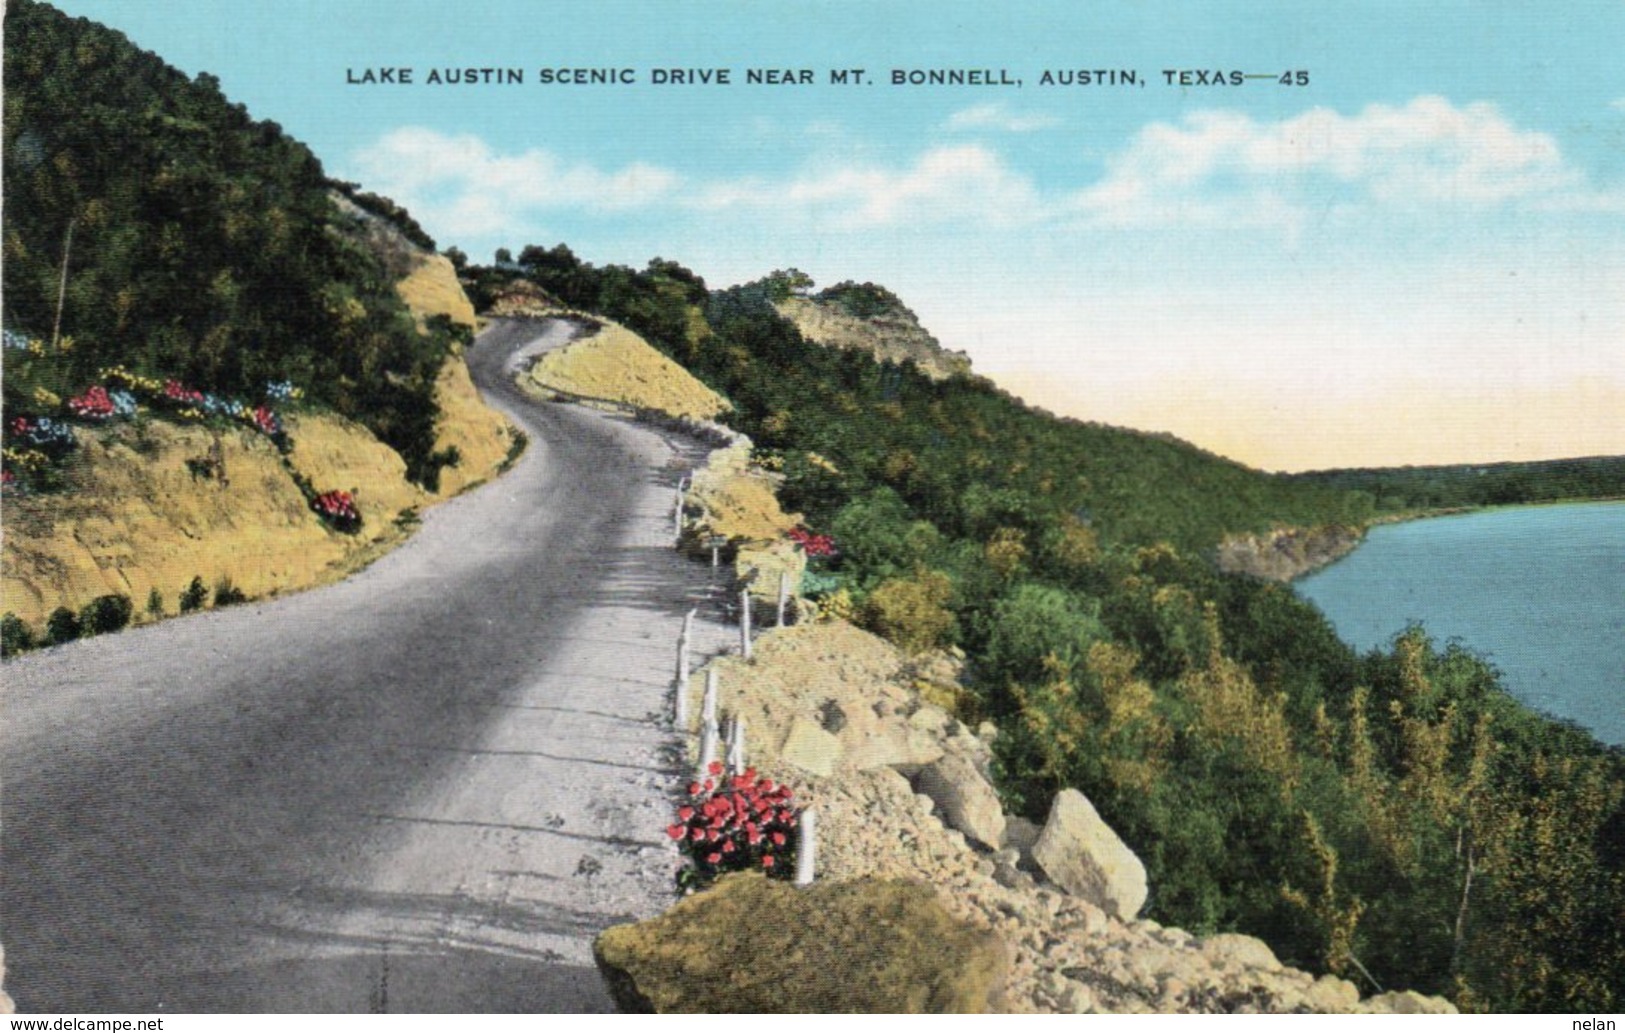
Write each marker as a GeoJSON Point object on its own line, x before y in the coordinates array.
{"type": "Point", "coordinates": [422, 789]}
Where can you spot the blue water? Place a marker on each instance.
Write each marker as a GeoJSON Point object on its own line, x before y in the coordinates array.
{"type": "Point", "coordinates": [1539, 591]}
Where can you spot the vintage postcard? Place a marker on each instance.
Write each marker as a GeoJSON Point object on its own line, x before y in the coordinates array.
{"type": "Point", "coordinates": [1054, 507]}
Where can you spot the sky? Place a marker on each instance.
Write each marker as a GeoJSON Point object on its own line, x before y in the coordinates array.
{"type": "Point", "coordinates": [1417, 256]}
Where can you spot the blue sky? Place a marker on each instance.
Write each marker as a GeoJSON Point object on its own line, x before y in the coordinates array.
{"type": "Point", "coordinates": [1417, 257]}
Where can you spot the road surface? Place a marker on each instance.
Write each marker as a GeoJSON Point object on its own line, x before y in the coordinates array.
{"type": "Point", "coordinates": [422, 789]}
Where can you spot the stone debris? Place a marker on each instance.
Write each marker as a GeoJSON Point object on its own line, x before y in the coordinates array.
{"type": "Point", "coordinates": [1066, 953]}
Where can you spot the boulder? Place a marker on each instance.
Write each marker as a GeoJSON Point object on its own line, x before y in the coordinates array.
{"type": "Point", "coordinates": [1081, 854]}
{"type": "Point", "coordinates": [1234, 950]}
{"type": "Point", "coordinates": [964, 798]}
{"type": "Point", "coordinates": [811, 749]}
{"type": "Point", "coordinates": [750, 944]}
{"type": "Point", "coordinates": [1407, 1002]}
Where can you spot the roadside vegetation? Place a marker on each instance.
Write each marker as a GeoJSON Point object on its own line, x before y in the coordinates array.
{"type": "Point", "coordinates": [1394, 817]}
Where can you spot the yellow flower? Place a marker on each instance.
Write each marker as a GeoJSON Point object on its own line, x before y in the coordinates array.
{"type": "Point", "coordinates": [47, 398]}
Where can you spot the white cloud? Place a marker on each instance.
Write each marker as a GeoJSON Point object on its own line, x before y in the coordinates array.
{"type": "Point", "coordinates": [463, 188]}
{"type": "Point", "coordinates": [945, 184]}
{"type": "Point", "coordinates": [1618, 103]}
{"type": "Point", "coordinates": [997, 116]}
{"type": "Point", "coordinates": [1225, 168]}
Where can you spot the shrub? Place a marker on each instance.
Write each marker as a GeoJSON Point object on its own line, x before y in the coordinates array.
{"type": "Point", "coordinates": [912, 611]}
{"type": "Point", "coordinates": [194, 596]}
{"type": "Point", "coordinates": [62, 626]}
{"type": "Point", "coordinates": [15, 635]}
{"type": "Point", "coordinates": [226, 593]}
{"type": "Point", "coordinates": [733, 824]}
{"type": "Point", "coordinates": [155, 602]}
{"type": "Point", "coordinates": [105, 614]}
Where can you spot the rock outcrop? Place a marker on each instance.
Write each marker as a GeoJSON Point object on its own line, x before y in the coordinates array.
{"type": "Point", "coordinates": [965, 799]}
{"type": "Point", "coordinates": [1287, 552]}
{"type": "Point", "coordinates": [754, 945]}
{"type": "Point", "coordinates": [1083, 856]}
{"type": "Point", "coordinates": [1065, 953]}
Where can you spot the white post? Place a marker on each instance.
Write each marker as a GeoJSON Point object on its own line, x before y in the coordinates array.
{"type": "Point", "coordinates": [688, 624]}
{"type": "Point", "coordinates": [784, 595]}
{"type": "Point", "coordinates": [681, 715]}
{"type": "Point", "coordinates": [713, 557]}
{"type": "Point", "coordinates": [708, 748]}
{"type": "Point", "coordinates": [736, 747]}
{"type": "Point", "coordinates": [744, 622]}
{"type": "Point", "coordinates": [806, 847]}
{"type": "Point", "coordinates": [708, 707]}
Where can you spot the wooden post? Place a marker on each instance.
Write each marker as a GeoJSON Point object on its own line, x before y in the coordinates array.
{"type": "Point", "coordinates": [708, 706]}
{"type": "Point", "coordinates": [736, 747]}
{"type": "Point", "coordinates": [681, 715]}
{"type": "Point", "coordinates": [784, 595]}
{"type": "Point", "coordinates": [708, 748]}
{"type": "Point", "coordinates": [744, 622]}
{"type": "Point", "coordinates": [806, 847]}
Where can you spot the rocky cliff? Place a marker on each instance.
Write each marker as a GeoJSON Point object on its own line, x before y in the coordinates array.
{"type": "Point", "coordinates": [1287, 553]}
{"type": "Point", "coordinates": [889, 333]}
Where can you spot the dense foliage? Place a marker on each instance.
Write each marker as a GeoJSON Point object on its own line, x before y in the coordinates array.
{"type": "Point", "coordinates": [153, 224]}
{"type": "Point", "coordinates": [1395, 817]}
{"type": "Point", "coordinates": [1489, 484]}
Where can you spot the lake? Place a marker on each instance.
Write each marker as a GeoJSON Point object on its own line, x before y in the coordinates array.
{"type": "Point", "coordinates": [1539, 591]}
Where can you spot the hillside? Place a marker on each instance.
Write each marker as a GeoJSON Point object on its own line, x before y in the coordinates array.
{"type": "Point", "coordinates": [241, 342]}
{"type": "Point", "coordinates": [1272, 781]}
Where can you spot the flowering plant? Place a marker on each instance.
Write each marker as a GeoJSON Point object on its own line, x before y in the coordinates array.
{"type": "Point", "coordinates": [737, 823]}
{"type": "Point", "coordinates": [94, 404]}
{"type": "Point", "coordinates": [338, 509]}
{"type": "Point", "coordinates": [816, 546]}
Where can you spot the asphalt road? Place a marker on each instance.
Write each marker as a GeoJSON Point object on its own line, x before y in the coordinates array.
{"type": "Point", "coordinates": [422, 789]}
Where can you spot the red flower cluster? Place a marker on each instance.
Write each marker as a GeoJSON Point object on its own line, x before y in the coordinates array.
{"type": "Point", "coordinates": [338, 509]}
{"type": "Point", "coordinates": [814, 545]}
{"type": "Point", "coordinates": [175, 391]}
{"type": "Point", "coordinates": [267, 421]}
{"type": "Point", "coordinates": [92, 405]}
{"type": "Point", "coordinates": [731, 824]}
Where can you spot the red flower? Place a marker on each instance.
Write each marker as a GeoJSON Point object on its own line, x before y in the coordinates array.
{"type": "Point", "coordinates": [685, 812]}
{"type": "Point", "coordinates": [715, 767]}
{"type": "Point", "coordinates": [767, 861]}
{"type": "Point", "coordinates": [697, 835]}
{"type": "Point", "coordinates": [713, 858]}
{"type": "Point", "coordinates": [693, 789]}
{"type": "Point", "coordinates": [675, 831]}
{"type": "Point", "coordinates": [728, 847]}
{"type": "Point", "coordinates": [778, 839]}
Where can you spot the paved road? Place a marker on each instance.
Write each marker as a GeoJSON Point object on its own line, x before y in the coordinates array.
{"type": "Point", "coordinates": [422, 789]}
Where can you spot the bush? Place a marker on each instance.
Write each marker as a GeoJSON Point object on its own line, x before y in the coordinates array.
{"type": "Point", "coordinates": [734, 824]}
{"type": "Point", "coordinates": [194, 596]}
{"type": "Point", "coordinates": [912, 611]}
{"type": "Point", "coordinates": [62, 626]}
{"type": "Point", "coordinates": [105, 614]}
{"type": "Point", "coordinates": [155, 602]}
{"type": "Point", "coordinates": [226, 593]}
{"type": "Point", "coordinates": [15, 635]}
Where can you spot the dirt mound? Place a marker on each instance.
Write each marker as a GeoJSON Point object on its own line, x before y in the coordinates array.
{"type": "Point", "coordinates": [616, 365]}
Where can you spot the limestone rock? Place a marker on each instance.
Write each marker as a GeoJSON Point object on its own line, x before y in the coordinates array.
{"type": "Point", "coordinates": [1408, 1002]}
{"type": "Point", "coordinates": [1083, 856]}
{"type": "Point", "coordinates": [1021, 834]}
{"type": "Point", "coordinates": [1233, 950]}
{"type": "Point", "coordinates": [965, 799]}
{"type": "Point", "coordinates": [755, 945]}
{"type": "Point", "coordinates": [811, 749]}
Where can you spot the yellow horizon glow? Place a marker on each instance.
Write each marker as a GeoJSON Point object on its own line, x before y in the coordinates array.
{"type": "Point", "coordinates": [1404, 424]}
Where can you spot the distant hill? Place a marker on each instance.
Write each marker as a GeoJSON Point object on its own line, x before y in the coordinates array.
{"type": "Point", "coordinates": [1408, 488]}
